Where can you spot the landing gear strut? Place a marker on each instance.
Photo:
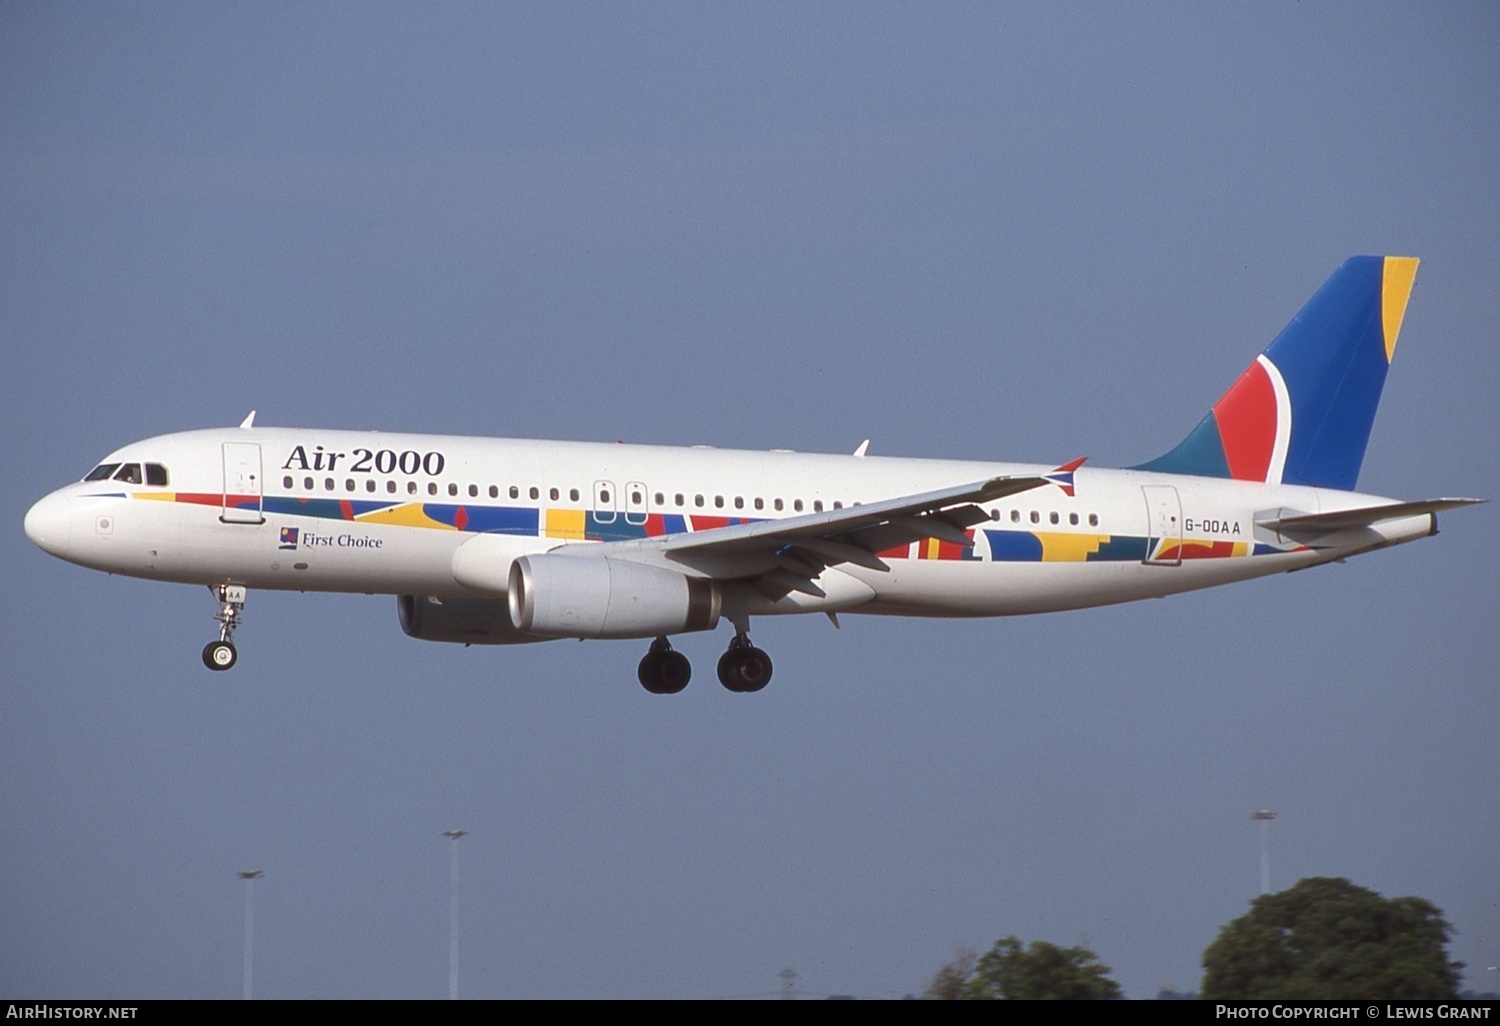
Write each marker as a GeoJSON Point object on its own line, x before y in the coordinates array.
{"type": "Point", "coordinates": [663, 670]}
{"type": "Point", "coordinates": [221, 654]}
{"type": "Point", "coordinates": [744, 667]}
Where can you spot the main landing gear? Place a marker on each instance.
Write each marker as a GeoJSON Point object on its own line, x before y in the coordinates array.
{"type": "Point", "coordinates": [744, 667]}
{"type": "Point", "coordinates": [221, 654]}
{"type": "Point", "coordinates": [665, 671]}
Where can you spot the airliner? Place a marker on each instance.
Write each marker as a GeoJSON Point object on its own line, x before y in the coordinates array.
{"type": "Point", "coordinates": [500, 541]}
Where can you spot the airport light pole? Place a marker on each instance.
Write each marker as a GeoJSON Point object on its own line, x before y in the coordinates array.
{"type": "Point", "coordinates": [453, 835]}
{"type": "Point", "coordinates": [1264, 817]}
{"type": "Point", "coordinates": [250, 876]}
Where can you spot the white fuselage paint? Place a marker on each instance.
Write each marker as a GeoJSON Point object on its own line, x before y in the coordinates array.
{"type": "Point", "coordinates": [152, 532]}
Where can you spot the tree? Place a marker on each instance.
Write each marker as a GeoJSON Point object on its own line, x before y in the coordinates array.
{"type": "Point", "coordinates": [1038, 971]}
{"type": "Point", "coordinates": [1326, 938]}
{"type": "Point", "coordinates": [947, 984]}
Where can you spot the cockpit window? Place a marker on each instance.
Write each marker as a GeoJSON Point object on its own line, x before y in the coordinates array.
{"type": "Point", "coordinates": [130, 473]}
{"type": "Point", "coordinates": [156, 474]}
{"type": "Point", "coordinates": [102, 472]}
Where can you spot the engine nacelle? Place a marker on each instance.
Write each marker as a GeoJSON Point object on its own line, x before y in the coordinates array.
{"type": "Point", "coordinates": [594, 597]}
{"type": "Point", "coordinates": [468, 621]}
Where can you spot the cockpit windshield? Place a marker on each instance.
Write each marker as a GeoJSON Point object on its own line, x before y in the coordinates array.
{"type": "Point", "coordinates": [130, 473]}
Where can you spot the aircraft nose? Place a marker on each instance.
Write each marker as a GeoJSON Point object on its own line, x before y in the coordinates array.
{"type": "Point", "coordinates": [49, 524]}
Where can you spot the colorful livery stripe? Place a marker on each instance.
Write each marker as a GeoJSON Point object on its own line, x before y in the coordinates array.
{"type": "Point", "coordinates": [1005, 546]}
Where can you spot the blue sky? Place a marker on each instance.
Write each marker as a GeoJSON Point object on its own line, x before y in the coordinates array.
{"type": "Point", "coordinates": [976, 231]}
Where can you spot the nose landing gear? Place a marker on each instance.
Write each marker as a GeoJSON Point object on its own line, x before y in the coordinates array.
{"type": "Point", "coordinates": [663, 670]}
{"type": "Point", "coordinates": [221, 654]}
{"type": "Point", "coordinates": [744, 668]}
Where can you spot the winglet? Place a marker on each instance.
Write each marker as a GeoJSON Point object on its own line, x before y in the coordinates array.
{"type": "Point", "coordinates": [864, 447]}
{"type": "Point", "coordinates": [249, 421]}
{"type": "Point", "coordinates": [1063, 475]}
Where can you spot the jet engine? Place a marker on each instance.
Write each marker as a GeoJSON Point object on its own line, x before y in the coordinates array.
{"type": "Point", "coordinates": [587, 596]}
{"type": "Point", "coordinates": [468, 621]}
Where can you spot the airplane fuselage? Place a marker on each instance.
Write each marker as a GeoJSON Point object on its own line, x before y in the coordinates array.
{"type": "Point", "coordinates": [316, 510]}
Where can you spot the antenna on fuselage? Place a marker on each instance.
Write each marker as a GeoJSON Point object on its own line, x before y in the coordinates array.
{"type": "Point", "coordinates": [249, 421]}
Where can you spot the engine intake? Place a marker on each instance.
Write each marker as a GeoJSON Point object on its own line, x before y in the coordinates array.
{"type": "Point", "coordinates": [593, 597]}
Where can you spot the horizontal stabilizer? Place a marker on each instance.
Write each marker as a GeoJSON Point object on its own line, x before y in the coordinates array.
{"type": "Point", "coordinates": [1365, 516]}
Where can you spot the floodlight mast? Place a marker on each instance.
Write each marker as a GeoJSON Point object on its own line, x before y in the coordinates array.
{"type": "Point", "coordinates": [1264, 817]}
{"type": "Point", "coordinates": [453, 835]}
{"type": "Point", "coordinates": [250, 876]}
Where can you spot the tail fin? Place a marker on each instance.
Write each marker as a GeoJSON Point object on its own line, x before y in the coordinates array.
{"type": "Point", "coordinates": [1302, 412]}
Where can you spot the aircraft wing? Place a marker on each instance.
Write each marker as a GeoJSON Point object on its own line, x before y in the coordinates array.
{"type": "Point", "coordinates": [780, 556]}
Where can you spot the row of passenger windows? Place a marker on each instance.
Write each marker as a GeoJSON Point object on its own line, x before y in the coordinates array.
{"type": "Point", "coordinates": [473, 491]}
{"type": "Point", "coordinates": [153, 474]}
{"type": "Point", "coordinates": [1053, 517]}
{"type": "Point", "coordinates": [637, 498]}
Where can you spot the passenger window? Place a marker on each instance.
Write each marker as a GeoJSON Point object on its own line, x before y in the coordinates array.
{"type": "Point", "coordinates": [661, 500]}
{"type": "Point", "coordinates": [718, 502]}
{"type": "Point", "coordinates": [390, 487]}
{"type": "Point", "coordinates": [1036, 518]}
{"type": "Point", "coordinates": [431, 487]}
{"type": "Point", "coordinates": [994, 514]}
{"type": "Point", "coordinates": [156, 475]}
{"type": "Point", "coordinates": [797, 505]}
{"type": "Point", "coordinates": [348, 484]}
{"type": "Point", "coordinates": [554, 494]}
{"type": "Point", "coordinates": [104, 471]}
{"type": "Point", "coordinates": [817, 505]}
{"type": "Point", "coordinates": [698, 501]}
{"type": "Point", "coordinates": [1053, 516]}
{"type": "Point", "coordinates": [370, 485]}
{"type": "Point", "coordinates": [473, 491]}
{"type": "Point", "coordinates": [777, 504]}
{"type": "Point", "coordinates": [536, 494]}
{"type": "Point", "coordinates": [838, 504]}
{"type": "Point", "coordinates": [453, 489]}
{"type": "Point", "coordinates": [307, 483]}
{"type": "Point", "coordinates": [328, 484]}
{"type": "Point", "coordinates": [1093, 520]}
{"type": "Point", "coordinates": [494, 491]}
{"type": "Point", "coordinates": [1073, 519]}
{"type": "Point", "coordinates": [1015, 516]}
{"type": "Point", "coordinates": [739, 502]}
{"type": "Point", "coordinates": [515, 493]}
{"type": "Point", "coordinates": [760, 503]}
{"type": "Point", "coordinates": [603, 496]}
{"type": "Point", "coordinates": [572, 494]}
{"type": "Point", "coordinates": [635, 498]}
{"type": "Point", "coordinates": [411, 488]}
{"type": "Point", "coordinates": [286, 482]}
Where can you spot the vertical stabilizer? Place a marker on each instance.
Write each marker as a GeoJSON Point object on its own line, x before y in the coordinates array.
{"type": "Point", "coordinates": [1302, 412]}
